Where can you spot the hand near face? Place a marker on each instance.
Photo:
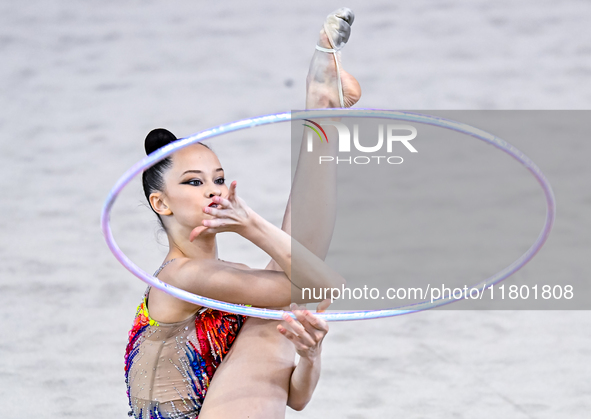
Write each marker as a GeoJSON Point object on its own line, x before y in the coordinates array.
{"type": "Point", "coordinates": [231, 214]}
{"type": "Point", "coordinates": [306, 333]}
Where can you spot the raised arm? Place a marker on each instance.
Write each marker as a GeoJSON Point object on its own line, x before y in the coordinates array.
{"type": "Point", "coordinates": [264, 288]}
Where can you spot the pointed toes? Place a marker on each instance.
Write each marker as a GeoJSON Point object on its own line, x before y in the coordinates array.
{"type": "Point", "coordinates": [346, 14]}
{"type": "Point", "coordinates": [339, 24]}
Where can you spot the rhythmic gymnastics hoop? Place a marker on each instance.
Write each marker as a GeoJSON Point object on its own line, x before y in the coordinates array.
{"type": "Point", "coordinates": [167, 150]}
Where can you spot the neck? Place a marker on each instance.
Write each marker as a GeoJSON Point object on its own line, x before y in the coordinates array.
{"type": "Point", "coordinates": [203, 247]}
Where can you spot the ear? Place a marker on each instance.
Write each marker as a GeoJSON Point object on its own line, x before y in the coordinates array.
{"type": "Point", "coordinates": [158, 203]}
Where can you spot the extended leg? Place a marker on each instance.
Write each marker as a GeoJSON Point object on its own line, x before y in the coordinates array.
{"type": "Point", "coordinates": [314, 184]}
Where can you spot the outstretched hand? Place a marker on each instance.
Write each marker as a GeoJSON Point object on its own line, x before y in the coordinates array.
{"type": "Point", "coordinates": [306, 333]}
{"type": "Point", "coordinates": [231, 214]}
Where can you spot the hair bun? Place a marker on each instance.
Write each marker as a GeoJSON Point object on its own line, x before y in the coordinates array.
{"type": "Point", "coordinates": [158, 138]}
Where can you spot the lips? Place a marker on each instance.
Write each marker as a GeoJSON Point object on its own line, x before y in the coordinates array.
{"type": "Point", "coordinates": [213, 205]}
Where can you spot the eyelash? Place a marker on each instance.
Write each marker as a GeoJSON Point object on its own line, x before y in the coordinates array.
{"type": "Point", "coordinates": [223, 180]}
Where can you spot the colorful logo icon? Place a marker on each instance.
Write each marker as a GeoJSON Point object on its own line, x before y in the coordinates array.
{"type": "Point", "coordinates": [316, 130]}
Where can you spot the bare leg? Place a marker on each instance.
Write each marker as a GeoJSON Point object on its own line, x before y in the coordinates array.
{"type": "Point", "coordinates": [253, 380]}
{"type": "Point", "coordinates": [315, 184]}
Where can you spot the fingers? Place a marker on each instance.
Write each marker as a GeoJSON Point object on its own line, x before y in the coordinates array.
{"type": "Point", "coordinates": [295, 339]}
{"type": "Point", "coordinates": [232, 193]}
{"type": "Point", "coordinates": [221, 201]}
{"type": "Point", "coordinates": [216, 223]}
{"type": "Point", "coordinates": [208, 223]}
{"type": "Point", "coordinates": [306, 332]}
{"type": "Point", "coordinates": [222, 212]}
{"type": "Point", "coordinates": [216, 212]}
{"type": "Point", "coordinates": [295, 331]}
{"type": "Point", "coordinates": [196, 232]}
{"type": "Point", "coordinates": [223, 204]}
{"type": "Point", "coordinates": [323, 305]}
{"type": "Point", "coordinates": [228, 212]}
{"type": "Point", "coordinates": [315, 326]}
{"type": "Point", "coordinates": [310, 322]}
{"type": "Point", "coordinates": [303, 344]}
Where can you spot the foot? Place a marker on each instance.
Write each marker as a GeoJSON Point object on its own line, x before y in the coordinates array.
{"type": "Point", "coordinates": [322, 87]}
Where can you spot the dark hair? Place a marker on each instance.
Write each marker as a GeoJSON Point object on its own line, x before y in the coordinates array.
{"type": "Point", "coordinates": [153, 178]}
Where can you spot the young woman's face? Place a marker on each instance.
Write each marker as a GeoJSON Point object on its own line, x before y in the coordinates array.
{"type": "Point", "coordinates": [196, 176]}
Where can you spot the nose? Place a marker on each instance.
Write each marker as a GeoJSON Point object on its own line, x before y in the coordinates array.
{"type": "Point", "coordinates": [213, 192]}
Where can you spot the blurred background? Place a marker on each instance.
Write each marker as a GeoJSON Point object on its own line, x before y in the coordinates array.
{"type": "Point", "coordinates": [83, 82]}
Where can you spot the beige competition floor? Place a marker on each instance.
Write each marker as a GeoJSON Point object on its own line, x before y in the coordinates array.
{"type": "Point", "coordinates": [82, 83]}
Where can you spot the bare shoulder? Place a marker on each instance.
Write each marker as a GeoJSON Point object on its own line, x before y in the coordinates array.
{"type": "Point", "coordinates": [231, 282]}
{"type": "Point", "coordinates": [211, 278]}
{"type": "Point", "coordinates": [194, 269]}
{"type": "Point", "coordinates": [163, 307]}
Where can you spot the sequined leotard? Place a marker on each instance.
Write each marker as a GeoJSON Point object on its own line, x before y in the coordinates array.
{"type": "Point", "coordinates": [168, 367]}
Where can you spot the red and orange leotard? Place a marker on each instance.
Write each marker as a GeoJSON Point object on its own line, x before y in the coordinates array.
{"type": "Point", "coordinates": [168, 366]}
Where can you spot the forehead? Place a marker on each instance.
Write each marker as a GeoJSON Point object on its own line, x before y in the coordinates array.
{"type": "Point", "coordinates": [195, 157]}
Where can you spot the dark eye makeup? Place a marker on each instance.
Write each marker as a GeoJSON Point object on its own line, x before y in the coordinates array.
{"type": "Point", "coordinates": [198, 182]}
{"type": "Point", "coordinates": [193, 182]}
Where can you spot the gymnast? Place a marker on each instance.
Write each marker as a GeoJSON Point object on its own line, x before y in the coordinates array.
{"type": "Point", "coordinates": [176, 347]}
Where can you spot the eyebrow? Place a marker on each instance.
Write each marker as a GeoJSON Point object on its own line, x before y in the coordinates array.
{"type": "Point", "coordinates": [199, 171]}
